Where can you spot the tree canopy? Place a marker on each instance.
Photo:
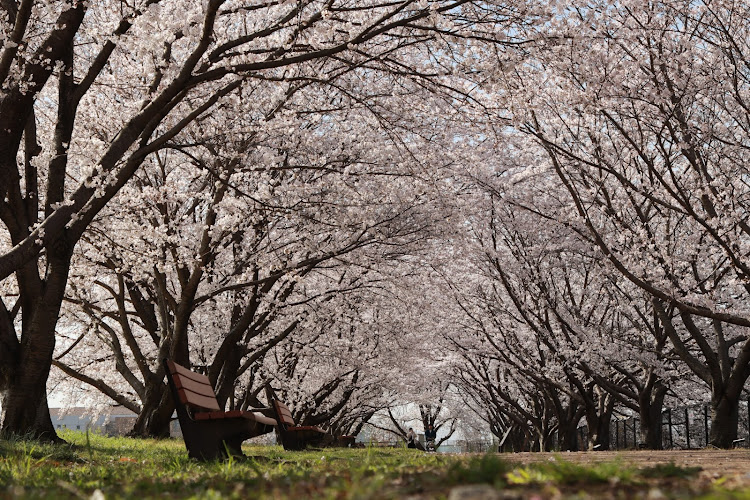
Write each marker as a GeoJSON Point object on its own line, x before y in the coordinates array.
{"type": "Point", "coordinates": [534, 214]}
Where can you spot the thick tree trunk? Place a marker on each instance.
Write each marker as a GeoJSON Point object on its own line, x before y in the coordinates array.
{"type": "Point", "coordinates": [25, 406]}
{"type": "Point", "coordinates": [39, 424]}
{"type": "Point", "coordinates": [567, 426]}
{"type": "Point", "coordinates": [227, 375]}
{"type": "Point", "coordinates": [27, 392]}
{"type": "Point", "coordinates": [724, 421]}
{"type": "Point", "coordinates": [598, 427]}
{"type": "Point", "coordinates": [651, 403]}
{"type": "Point", "coordinates": [567, 436]}
{"type": "Point", "coordinates": [9, 348]}
{"type": "Point", "coordinates": [156, 413]}
{"type": "Point", "coordinates": [598, 420]}
{"type": "Point", "coordinates": [537, 443]}
{"type": "Point", "coordinates": [516, 440]}
{"type": "Point", "coordinates": [547, 441]}
{"type": "Point", "coordinates": [725, 399]}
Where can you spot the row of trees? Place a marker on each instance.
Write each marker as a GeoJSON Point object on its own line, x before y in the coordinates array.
{"type": "Point", "coordinates": [543, 208]}
{"type": "Point", "coordinates": [611, 248]}
{"type": "Point", "coordinates": [203, 181]}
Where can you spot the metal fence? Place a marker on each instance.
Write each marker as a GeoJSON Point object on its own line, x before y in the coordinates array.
{"type": "Point", "coordinates": [682, 428]}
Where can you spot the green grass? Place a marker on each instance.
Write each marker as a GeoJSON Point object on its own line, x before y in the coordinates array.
{"type": "Point", "coordinates": [489, 469]}
{"type": "Point", "coordinates": [562, 472]}
{"type": "Point", "coordinates": [95, 467]}
{"type": "Point", "coordinates": [669, 470]}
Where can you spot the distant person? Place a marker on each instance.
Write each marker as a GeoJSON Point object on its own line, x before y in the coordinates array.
{"type": "Point", "coordinates": [430, 435]}
{"type": "Point", "coordinates": [411, 438]}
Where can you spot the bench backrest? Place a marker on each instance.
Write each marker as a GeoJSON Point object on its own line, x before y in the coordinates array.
{"type": "Point", "coordinates": [193, 389]}
{"type": "Point", "coordinates": [285, 416]}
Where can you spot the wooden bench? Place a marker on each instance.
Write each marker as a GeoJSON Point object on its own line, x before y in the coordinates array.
{"type": "Point", "coordinates": [292, 436]}
{"type": "Point", "coordinates": [209, 432]}
{"type": "Point", "coordinates": [296, 437]}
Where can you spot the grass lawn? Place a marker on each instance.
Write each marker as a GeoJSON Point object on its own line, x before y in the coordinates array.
{"type": "Point", "coordinates": [96, 467]}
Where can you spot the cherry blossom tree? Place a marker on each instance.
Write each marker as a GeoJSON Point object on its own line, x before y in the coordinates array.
{"type": "Point", "coordinates": [643, 121]}
{"type": "Point", "coordinates": [442, 412]}
{"type": "Point", "coordinates": [328, 374]}
{"type": "Point", "coordinates": [316, 193]}
{"type": "Point", "coordinates": [91, 91]}
{"type": "Point", "coordinates": [551, 333]}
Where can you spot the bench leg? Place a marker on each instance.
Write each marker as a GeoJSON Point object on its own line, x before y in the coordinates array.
{"type": "Point", "coordinates": [291, 442]}
{"type": "Point", "coordinates": [216, 450]}
{"type": "Point", "coordinates": [209, 446]}
{"type": "Point", "coordinates": [233, 447]}
{"type": "Point", "coordinates": [205, 450]}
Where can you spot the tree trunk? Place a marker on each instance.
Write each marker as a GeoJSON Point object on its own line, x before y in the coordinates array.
{"type": "Point", "coordinates": [598, 419]}
{"type": "Point", "coordinates": [515, 441]}
{"type": "Point", "coordinates": [26, 412]}
{"type": "Point", "coordinates": [724, 421]}
{"type": "Point", "coordinates": [227, 374]}
{"type": "Point", "coordinates": [651, 403]}
{"type": "Point", "coordinates": [39, 424]}
{"type": "Point", "coordinates": [598, 427]}
{"type": "Point", "coordinates": [27, 394]}
{"type": "Point", "coordinates": [156, 413]}
{"type": "Point", "coordinates": [537, 443]}
{"type": "Point", "coordinates": [567, 422]}
{"type": "Point", "coordinates": [567, 436]}
{"type": "Point", "coordinates": [548, 440]}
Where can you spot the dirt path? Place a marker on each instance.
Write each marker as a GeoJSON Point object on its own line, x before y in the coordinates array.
{"type": "Point", "coordinates": [714, 463]}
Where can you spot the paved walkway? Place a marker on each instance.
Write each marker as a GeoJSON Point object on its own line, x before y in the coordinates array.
{"type": "Point", "coordinates": [713, 462]}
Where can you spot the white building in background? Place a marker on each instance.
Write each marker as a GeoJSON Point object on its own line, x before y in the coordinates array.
{"type": "Point", "coordinates": [116, 421]}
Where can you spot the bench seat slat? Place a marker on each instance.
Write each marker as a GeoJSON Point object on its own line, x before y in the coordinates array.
{"type": "Point", "coordinates": [193, 389]}
{"type": "Point", "coordinates": [193, 386]}
{"type": "Point", "coordinates": [283, 413]}
{"type": "Point", "coordinates": [306, 428]}
{"type": "Point", "coordinates": [248, 415]}
{"type": "Point", "coordinates": [184, 372]}
{"type": "Point", "coordinates": [180, 371]}
{"type": "Point", "coordinates": [287, 414]}
{"type": "Point", "coordinates": [197, 400]}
